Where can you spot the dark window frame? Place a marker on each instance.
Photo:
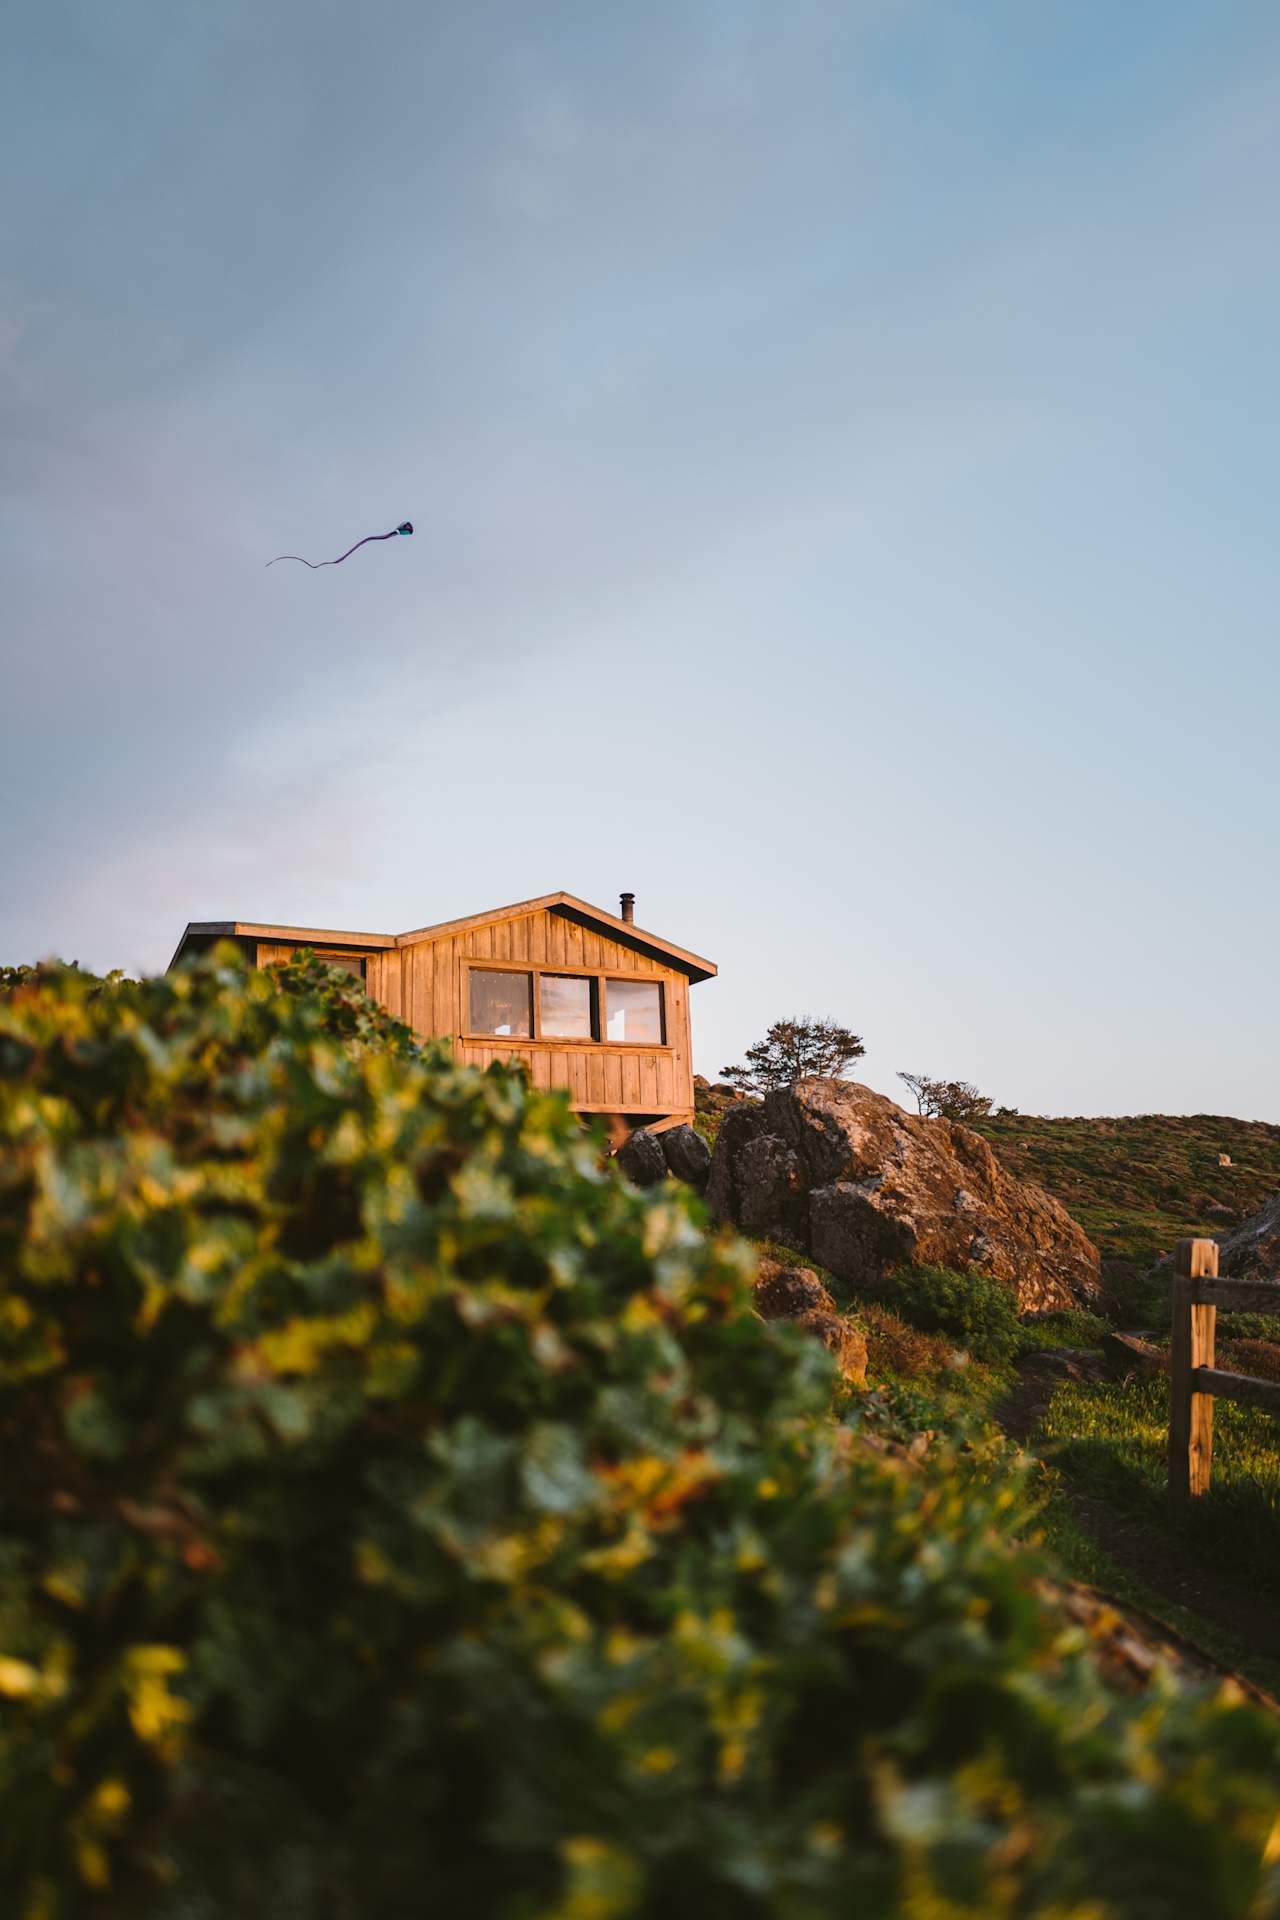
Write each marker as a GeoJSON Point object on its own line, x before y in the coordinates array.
{"type": "Point", "coordinates": [633, 980]}
{"type": "Point", "coordinates": [354, 963]}
{"type": "Point", "coordinates": [534, 970]}
{"type": "Point", "coordinates": [592, 983]}
{"type": "Point", "coordinates": [480, 1033]}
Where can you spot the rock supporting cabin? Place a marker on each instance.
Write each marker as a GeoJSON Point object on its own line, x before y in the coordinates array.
{"type": "Point", "coordinates": [585, 999]}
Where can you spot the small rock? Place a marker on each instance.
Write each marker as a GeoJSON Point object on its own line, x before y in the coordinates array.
{"type": "Point", "coordinates": [1071, 1363]}
{"type": "Point", "coordinates": [840, 1337]}
{"type": "Point", "coordinates": [641, 1158]}
{"type": "Point", "coordinates": [797, 1296]}
{"type": "Point", "coordinates": [1125, 1354]}
{"type": "Point", "coordinates": [782, 1292]}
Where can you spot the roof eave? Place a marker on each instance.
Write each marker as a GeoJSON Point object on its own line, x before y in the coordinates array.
{"type": "Point", "coordinates": [693, 964]}
{"type": "Point", "coordinates": [261, 930]}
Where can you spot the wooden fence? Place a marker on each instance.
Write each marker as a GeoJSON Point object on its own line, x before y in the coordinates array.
{"type": "Point", "coordinates": [1194, 1381]}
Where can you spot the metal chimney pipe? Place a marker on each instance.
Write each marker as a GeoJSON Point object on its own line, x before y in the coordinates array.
{"type": "Point", "coordinates": [628, 907]}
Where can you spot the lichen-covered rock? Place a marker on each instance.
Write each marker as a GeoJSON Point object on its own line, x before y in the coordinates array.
{"type": "Point", "coordinates": [1253, 1250]}
{"type": "Point", "coordinates": [687, 1155]}
{"type": "Point", "coordinates": [756, 1180]}
{"type": "Point", "coordinates": [641, 1158]}
{"type": "Point", "coordinates": [841, 1172]}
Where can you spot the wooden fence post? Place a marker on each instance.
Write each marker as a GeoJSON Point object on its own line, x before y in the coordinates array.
{"type": "Point", "coordinates": [1190, 1413]}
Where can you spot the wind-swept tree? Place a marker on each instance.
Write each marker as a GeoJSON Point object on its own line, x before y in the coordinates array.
{"type": "Point", "coordinates": [795, 1049]}
{"type": "Point", "coordinates": [946, 1099]}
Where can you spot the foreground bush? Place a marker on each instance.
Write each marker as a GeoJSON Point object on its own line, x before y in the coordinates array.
{"type": "Point", "coordinates": [402, 1516]}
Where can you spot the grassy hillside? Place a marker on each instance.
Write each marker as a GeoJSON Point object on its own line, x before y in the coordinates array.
{"type": "Point", "coordinates": [1136, 1185]}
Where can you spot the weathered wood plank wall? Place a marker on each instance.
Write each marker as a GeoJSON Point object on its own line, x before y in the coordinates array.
{"type": "Point", "coordinates": [426, 985]}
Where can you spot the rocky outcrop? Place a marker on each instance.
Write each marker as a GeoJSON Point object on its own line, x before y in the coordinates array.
{"type": "Point", "coordinates": [687, 1155]}
{"type": "Point", "coordinates": [1253, 1250]}
{"type": "Point", "coordinates": [796, 1295]}
{"type": "Point", "coordinates": [715, 1098]}
{"type": "Point", "coordinates": [840, 1172]}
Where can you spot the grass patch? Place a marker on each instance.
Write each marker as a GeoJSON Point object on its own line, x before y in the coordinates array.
{"type": "Point", "coordinates": [897, 1350]}
{"type": "Point", "coordinates": [1066, 1327]}
{"type": "Point", "coordinates": [1081, 1558]}
{"type": "Point", "coordinates": [1111, 1440]}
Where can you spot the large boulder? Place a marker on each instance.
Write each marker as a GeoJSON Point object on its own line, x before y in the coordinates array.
{"type": "Point", "coordinates": [1252, 1251]}
{"type": "Point", "coordinates": [839, 1171]}
{"type": "Point", "coordinates": [687, 1155]}
{"type": "Point", "coordinates": [641, 1158]}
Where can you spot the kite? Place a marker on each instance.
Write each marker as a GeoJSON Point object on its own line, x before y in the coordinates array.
{"type": "Point", "coordinates": [406, 526]}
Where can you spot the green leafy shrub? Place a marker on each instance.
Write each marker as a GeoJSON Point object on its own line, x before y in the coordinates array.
{"type": "Point", "coordinates": [1249, 1326]}
{"type": "Point", "coordinates": [1135, 1296]}
{"type": "Point", "coordinates": [1064, 1327]}
{"type": "Point", "coordinates": [972, 1309]}
{"type": "Point", "coordinates": [402, 1515]}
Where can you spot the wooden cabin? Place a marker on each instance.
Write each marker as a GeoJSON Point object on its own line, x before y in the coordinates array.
{"type": "Point", "coordinates": [587, 1000]}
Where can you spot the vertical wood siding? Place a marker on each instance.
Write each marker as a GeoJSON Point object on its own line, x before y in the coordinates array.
{"type": "Point", "coordinates": [426, 986]}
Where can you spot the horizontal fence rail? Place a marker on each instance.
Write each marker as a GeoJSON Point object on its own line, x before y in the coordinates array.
{"type": "Point", "coordinates": [1194, 1381]}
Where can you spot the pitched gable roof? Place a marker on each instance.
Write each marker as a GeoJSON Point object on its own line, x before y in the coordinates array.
{"type": "Point", "coordinates": [625, 932]}
{"type": "Point", "coordinates": [665, 952]}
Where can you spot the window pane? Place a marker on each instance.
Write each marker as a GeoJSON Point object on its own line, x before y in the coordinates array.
{"type": "Point", "coordinates": [501, 1003]}
{"type": "Point", "coordinates": [635, 1011]}
{"type": "Point", "coordinates": [565, 1007]}
{"type": "Point", "coordinates": [348, 962]}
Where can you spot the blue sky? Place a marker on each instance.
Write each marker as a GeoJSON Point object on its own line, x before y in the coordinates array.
{"type": "Point", "coordinates": [842, 442]}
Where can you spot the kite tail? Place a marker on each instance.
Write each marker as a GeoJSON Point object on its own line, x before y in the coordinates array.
{"type": "Point", "coordinates": [406, 526]}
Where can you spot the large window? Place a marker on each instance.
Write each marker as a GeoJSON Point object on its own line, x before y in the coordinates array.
{"type": "Point", "coordinates": [524, 1003]}
{"type": "Point", "coordinates": [566, 1007]}
{"type": "Point", "coordinates": [501, 1003]}
{"type": "Point", "coordinates": [633, 1012]}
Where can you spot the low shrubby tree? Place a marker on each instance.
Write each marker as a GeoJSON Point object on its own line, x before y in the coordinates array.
{"type": "Point", "coordinates": [795, 1050]}
{"type": "Point", "coordinates": [402, 1515]}
{"type": "Point", "coordinates": [947, 1099]}
{"type": "Point", "coordinates": [974, 1310]}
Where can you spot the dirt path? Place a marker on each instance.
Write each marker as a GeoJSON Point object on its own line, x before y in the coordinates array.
{"type": "Point", "coordinates": [1144, 1550]}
